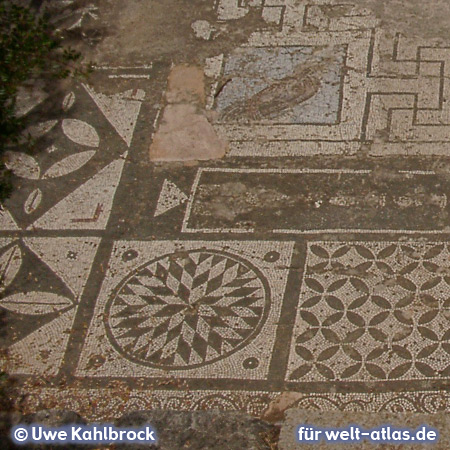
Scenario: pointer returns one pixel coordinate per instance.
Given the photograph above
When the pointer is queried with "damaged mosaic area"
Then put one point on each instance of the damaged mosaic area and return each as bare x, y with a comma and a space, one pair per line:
282, 85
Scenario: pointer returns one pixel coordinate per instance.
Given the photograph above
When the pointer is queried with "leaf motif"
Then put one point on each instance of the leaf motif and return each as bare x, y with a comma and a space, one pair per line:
311, 301
353, 336
399, 371
361, 301
332, 319
306, 336
381, 302
379, 318
362, 268
359, 285
356, 319
406, 301
351, 370
406, 284
365, 252
35, 303
80, 132
304, 353
430, 266
378, 335
300, 372
428, 316
330, 336
436, 250
388, 251
429, 301
426, 333
319, 251
37, 131
425, 369
376, 353
427, 351
430, 284
314, 285
325, 371
10, 263
68, 101
336, 285
33, 201
352, 353
309, 318
69, 164
328, 353
335, 303
376, 371
23, 165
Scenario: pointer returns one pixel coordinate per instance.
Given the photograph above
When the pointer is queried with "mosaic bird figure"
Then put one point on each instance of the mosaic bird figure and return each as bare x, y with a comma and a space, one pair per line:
280, 96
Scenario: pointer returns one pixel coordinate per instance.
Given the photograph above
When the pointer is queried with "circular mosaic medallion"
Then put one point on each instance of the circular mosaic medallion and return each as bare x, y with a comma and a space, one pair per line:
188, 309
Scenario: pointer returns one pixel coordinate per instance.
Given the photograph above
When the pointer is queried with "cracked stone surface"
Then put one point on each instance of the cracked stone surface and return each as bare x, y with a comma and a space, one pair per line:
244, 208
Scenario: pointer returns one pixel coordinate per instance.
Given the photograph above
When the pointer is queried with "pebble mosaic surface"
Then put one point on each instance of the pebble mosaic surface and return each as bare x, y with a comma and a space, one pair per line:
223, 284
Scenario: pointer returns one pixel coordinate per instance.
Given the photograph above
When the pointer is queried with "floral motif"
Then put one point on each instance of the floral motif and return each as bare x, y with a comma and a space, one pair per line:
373, 311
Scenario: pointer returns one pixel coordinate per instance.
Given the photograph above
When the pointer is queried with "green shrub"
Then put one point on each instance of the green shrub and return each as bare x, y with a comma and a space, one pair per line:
30, 49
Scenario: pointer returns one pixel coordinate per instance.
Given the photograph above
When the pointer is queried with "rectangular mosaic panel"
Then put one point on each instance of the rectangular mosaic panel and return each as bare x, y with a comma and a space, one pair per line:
373, 311
188, 309
282, 85
303, 201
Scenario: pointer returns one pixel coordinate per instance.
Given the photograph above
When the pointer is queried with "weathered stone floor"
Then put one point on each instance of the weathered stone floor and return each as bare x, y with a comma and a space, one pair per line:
245, 207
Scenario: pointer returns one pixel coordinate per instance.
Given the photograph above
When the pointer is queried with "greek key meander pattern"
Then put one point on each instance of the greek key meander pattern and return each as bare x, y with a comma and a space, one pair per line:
373, 311
393, 89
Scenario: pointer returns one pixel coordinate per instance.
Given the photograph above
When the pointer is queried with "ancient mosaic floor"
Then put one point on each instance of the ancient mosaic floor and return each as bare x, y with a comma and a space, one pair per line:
313, 258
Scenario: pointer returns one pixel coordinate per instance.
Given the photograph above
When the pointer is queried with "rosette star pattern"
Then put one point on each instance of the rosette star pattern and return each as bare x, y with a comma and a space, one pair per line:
187, 309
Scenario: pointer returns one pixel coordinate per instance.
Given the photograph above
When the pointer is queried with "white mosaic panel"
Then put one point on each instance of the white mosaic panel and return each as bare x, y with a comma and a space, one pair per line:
188, 309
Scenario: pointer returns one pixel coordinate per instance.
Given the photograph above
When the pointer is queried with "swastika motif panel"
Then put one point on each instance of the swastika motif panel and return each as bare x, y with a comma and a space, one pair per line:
393, 90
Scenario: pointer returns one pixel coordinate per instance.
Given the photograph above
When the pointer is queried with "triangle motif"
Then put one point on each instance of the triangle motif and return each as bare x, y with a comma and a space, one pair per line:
69, 258
7, 223
42, 351
169, 198
121, 110
89, 206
